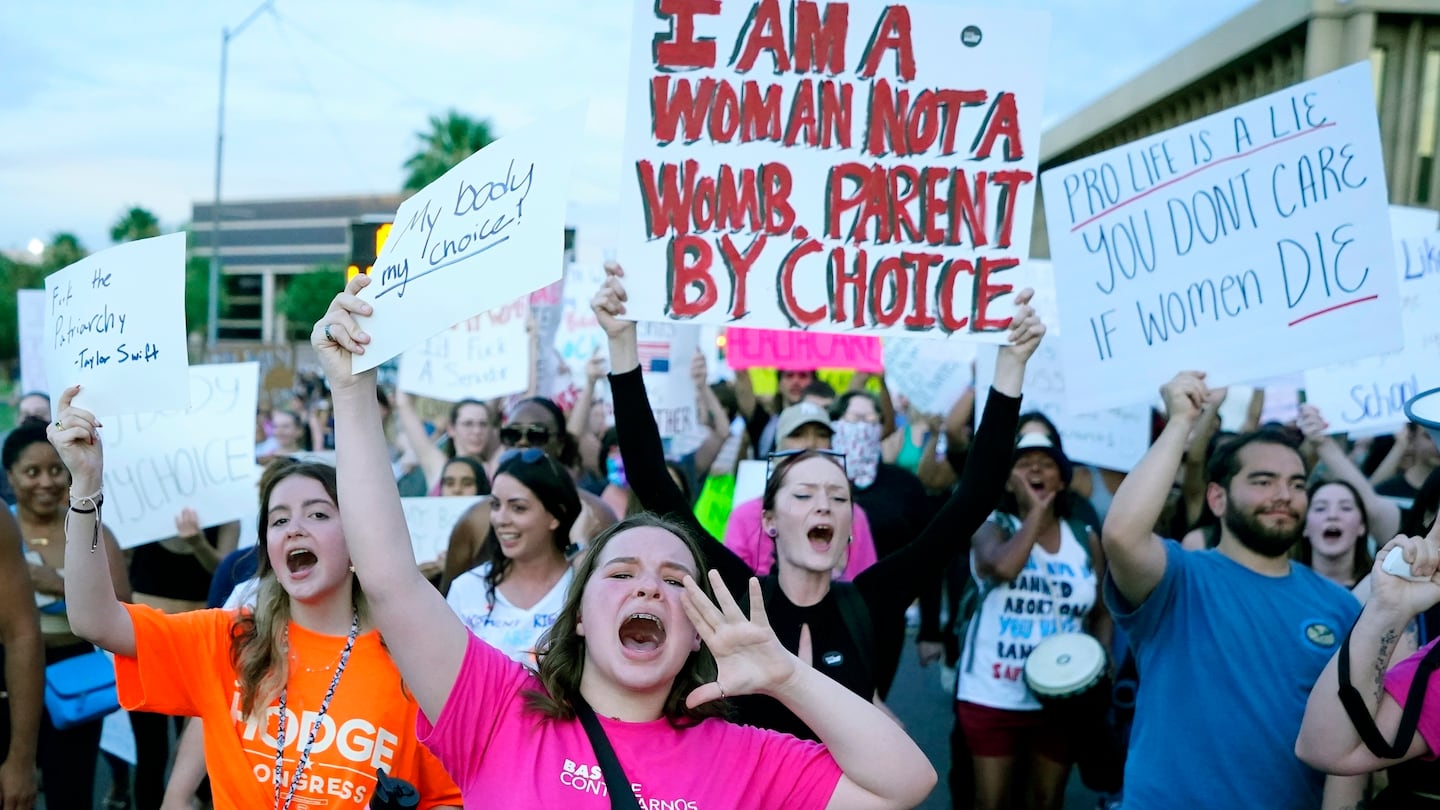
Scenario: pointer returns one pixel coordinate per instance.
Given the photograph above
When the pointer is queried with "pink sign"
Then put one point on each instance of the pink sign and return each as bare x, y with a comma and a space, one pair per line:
801, 351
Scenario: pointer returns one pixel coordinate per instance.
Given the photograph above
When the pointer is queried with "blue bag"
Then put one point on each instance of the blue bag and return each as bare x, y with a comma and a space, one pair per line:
80, 690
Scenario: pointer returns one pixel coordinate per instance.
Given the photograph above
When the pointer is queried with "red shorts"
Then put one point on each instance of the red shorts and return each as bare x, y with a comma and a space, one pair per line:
991, 732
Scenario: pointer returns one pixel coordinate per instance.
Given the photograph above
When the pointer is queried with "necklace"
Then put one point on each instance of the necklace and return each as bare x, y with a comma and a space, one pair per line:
304, 760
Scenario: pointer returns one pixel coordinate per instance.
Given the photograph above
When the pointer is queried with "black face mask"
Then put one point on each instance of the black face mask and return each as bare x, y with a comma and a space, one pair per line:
1256, 536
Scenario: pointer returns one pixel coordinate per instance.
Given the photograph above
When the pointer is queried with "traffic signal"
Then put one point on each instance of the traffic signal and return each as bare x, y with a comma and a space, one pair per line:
366, 241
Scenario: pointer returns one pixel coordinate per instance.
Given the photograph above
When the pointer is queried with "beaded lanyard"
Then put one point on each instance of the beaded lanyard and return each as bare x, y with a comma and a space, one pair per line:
304, 761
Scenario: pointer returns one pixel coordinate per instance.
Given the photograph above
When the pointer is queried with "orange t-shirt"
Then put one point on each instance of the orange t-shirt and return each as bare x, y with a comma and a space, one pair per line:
182, 666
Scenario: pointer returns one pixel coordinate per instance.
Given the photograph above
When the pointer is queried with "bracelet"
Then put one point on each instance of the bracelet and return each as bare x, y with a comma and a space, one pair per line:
95, 501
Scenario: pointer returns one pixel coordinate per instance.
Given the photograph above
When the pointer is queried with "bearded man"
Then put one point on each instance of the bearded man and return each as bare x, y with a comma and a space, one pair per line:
1228, 641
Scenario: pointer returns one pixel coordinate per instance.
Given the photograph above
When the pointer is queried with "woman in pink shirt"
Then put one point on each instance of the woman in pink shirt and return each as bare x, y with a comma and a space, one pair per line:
640, 639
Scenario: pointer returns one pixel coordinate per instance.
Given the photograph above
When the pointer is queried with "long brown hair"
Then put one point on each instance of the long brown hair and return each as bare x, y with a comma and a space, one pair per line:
562, 648
257, 649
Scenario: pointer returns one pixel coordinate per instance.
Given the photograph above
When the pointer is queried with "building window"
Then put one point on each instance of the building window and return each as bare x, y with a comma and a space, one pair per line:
1425, 137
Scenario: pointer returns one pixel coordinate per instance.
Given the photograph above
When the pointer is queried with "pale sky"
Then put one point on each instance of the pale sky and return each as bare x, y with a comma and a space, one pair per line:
106, 105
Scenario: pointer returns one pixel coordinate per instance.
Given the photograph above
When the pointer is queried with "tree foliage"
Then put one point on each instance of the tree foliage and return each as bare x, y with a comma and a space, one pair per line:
137, 223
307, 296
450, 139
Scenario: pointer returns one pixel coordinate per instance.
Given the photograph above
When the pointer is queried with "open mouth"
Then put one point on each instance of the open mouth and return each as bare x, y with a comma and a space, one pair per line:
300, 560
821, 536
642, 632
1332, 533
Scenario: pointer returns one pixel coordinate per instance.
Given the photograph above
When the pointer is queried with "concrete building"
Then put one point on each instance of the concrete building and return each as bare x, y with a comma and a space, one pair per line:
1269, 46
264, 242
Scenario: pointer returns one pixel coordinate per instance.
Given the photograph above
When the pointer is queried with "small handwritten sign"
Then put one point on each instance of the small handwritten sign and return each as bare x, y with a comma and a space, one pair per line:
483, 357
203, 458
30, 306
1250, 243
115, 323
1367, 396
431, 520
488, 231
793, 350
666, 350
930, 373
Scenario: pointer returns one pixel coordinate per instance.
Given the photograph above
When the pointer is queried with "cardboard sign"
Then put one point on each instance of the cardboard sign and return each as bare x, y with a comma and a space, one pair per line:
832, 167
30, 309
115, 324
1240, 244
485, 233
931, 374
789, 350
431, 520
203, 458
484, 357
1367, 397
1115, 438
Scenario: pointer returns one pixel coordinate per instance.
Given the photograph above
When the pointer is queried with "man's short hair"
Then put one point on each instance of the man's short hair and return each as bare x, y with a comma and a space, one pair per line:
1224, 465
818, 388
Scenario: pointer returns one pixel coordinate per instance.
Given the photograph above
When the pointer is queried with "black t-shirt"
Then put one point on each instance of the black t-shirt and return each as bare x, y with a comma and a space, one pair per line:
897, 507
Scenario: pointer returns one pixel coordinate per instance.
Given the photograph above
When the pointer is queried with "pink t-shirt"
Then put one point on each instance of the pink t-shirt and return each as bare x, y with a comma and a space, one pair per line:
1397, 683
745, 536
501, 754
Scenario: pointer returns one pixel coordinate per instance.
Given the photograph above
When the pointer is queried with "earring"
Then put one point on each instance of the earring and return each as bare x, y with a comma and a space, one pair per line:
771, 533
352, 568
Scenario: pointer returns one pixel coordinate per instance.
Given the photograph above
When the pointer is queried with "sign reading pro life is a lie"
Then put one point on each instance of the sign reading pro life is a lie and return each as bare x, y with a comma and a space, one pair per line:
1245, 244
834, 167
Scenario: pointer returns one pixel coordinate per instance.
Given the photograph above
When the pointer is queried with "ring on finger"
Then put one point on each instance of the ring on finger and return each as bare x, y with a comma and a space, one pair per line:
58, 426
327, 334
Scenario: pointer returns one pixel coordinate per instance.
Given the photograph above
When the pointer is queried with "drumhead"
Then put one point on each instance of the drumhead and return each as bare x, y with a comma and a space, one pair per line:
1063, 663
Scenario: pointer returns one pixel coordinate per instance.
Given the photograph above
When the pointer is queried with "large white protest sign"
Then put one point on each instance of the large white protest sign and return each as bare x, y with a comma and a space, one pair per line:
1113, 438
115, 324
203, 458
1242, 244
30, 309
488, 231
431, 520
666, 351
1367, 396
867, 167
483, 357
931, 374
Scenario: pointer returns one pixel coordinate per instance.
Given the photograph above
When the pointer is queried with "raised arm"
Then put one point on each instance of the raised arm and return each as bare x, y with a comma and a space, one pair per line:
1136, 556
425, 638
92, 587
24, 667
640, 445
896, 579
1192, 470
430, 458
881, 765
935, 472
1328, 740
1383, 513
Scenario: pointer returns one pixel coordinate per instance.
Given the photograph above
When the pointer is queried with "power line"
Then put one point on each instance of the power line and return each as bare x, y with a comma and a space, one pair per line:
356, 64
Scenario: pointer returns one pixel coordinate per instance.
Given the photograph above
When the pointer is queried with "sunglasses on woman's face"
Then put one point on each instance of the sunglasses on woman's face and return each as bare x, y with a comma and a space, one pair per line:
533, 435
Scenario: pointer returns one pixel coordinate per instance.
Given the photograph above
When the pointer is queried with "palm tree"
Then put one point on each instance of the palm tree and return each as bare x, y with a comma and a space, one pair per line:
64, 250
450, 140
137, 223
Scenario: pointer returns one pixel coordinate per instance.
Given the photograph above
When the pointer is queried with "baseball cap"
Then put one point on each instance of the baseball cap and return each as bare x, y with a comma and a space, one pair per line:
1041, 442
800, 414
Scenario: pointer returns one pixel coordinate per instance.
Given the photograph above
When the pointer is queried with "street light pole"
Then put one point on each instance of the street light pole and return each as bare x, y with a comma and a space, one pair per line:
212, 324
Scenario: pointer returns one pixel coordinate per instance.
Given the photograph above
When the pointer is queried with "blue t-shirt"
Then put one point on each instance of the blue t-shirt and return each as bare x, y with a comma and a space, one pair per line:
1227, 658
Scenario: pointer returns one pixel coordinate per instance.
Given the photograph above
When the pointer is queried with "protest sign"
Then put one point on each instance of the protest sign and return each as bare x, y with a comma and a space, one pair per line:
579, 335
1279, 403
749, 480
1113, 438
666, 350
483, 357
1367, 396
30, 311
431, 520
860, 166
790, 350
931, 374
203, 458
546, 307
115, 324
1240, 244
488, 231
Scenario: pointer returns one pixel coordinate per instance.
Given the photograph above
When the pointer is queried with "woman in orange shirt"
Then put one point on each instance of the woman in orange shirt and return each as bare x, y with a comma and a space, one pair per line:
301, 703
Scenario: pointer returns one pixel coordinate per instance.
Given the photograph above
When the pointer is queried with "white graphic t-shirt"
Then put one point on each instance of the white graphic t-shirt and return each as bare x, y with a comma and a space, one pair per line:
1053, 594
502, 625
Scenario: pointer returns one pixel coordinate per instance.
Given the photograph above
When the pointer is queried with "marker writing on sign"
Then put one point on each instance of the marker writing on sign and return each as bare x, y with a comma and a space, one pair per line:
122, 354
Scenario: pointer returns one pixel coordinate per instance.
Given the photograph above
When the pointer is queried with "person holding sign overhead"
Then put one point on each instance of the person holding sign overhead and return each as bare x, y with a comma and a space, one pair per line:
265, 680
639, 639
1227, 640
807, 509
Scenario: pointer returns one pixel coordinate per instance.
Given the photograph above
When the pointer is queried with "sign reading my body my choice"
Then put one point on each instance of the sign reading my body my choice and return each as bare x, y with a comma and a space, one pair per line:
115, 324
488, 231
1243, 244
834, 167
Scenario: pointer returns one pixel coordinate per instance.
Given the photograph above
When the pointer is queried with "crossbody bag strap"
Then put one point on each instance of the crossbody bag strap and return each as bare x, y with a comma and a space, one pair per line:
622, 797
1359, 713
